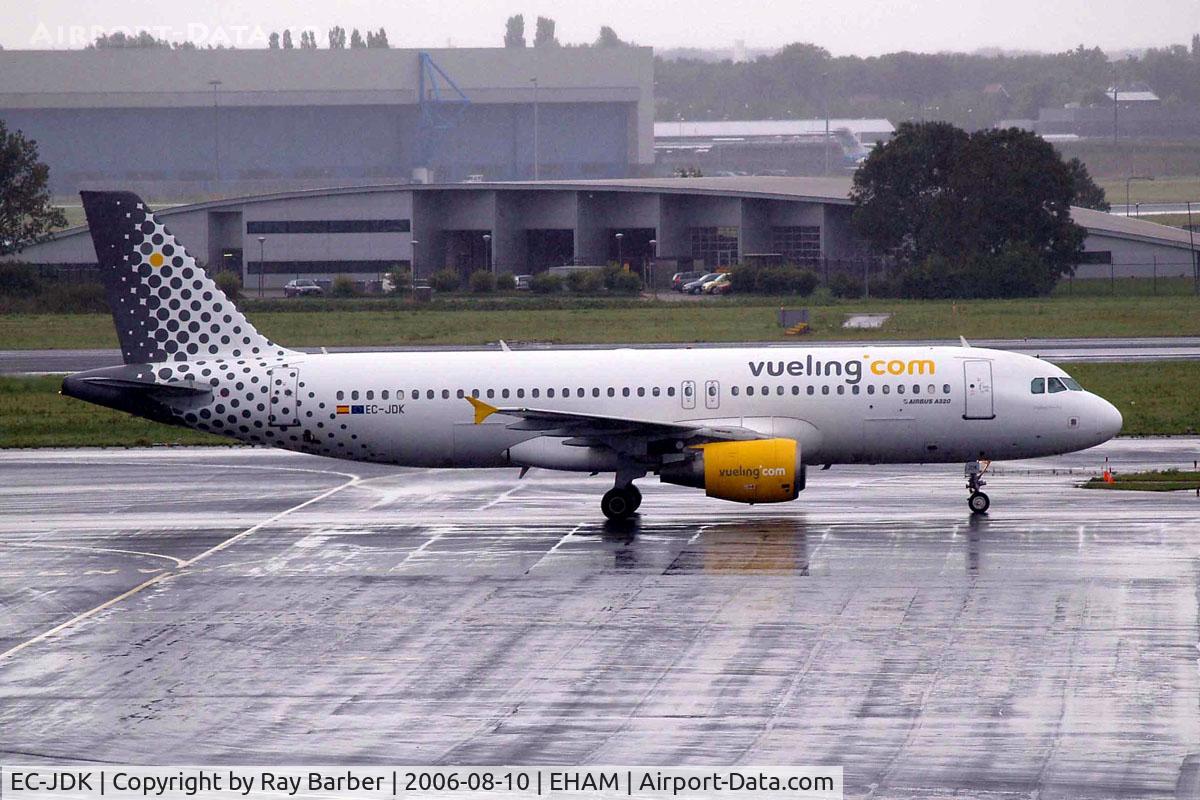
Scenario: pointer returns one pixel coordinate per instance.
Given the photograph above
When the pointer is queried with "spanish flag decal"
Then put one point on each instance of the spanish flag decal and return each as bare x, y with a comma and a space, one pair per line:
343, 409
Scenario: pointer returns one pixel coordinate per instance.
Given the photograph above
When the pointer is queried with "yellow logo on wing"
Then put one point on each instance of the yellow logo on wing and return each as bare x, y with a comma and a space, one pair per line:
482, 409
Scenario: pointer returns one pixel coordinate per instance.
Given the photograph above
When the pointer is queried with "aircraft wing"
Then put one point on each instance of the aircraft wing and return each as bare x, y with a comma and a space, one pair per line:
549, 422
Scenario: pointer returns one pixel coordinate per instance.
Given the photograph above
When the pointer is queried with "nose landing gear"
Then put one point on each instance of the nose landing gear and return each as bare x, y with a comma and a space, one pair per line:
978, 502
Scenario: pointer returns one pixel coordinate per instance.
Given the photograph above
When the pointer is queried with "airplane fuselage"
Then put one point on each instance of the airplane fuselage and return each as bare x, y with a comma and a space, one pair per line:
843, 404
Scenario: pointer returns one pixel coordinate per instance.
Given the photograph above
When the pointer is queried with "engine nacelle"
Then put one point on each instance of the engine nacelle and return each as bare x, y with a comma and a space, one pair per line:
755, 471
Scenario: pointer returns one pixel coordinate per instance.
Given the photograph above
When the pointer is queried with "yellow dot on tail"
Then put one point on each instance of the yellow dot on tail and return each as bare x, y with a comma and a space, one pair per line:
156, 259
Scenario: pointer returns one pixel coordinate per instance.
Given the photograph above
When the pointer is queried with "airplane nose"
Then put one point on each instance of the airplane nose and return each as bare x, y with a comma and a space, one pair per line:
1109, 418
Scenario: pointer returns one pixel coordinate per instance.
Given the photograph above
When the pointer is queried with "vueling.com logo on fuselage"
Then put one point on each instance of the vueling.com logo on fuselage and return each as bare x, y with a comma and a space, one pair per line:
851, 371
752, 472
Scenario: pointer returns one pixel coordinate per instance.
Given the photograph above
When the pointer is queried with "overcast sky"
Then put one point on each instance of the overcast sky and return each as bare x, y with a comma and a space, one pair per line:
864, 27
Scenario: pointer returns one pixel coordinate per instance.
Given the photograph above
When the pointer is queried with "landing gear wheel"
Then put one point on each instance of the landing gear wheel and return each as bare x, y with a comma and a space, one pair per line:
618, 504
636, 494
979, 503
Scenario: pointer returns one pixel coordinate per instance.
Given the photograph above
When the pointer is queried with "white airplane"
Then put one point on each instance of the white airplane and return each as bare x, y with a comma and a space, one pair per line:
740, 423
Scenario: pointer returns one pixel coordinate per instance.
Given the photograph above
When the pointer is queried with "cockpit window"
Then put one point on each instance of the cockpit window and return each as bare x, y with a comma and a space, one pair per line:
1055, 385
1072, 384
1038, 386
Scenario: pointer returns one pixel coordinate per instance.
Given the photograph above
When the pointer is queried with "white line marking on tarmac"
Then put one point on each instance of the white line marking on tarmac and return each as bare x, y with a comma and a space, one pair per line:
39, 546
557, 545
41, 637
500, 499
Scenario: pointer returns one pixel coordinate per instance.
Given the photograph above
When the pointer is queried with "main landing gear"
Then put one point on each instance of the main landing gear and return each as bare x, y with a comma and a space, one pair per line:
978, 502
620, 502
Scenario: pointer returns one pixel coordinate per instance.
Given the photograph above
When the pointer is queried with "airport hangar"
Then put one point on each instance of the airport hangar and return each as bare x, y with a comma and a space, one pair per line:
196, 123
525, 227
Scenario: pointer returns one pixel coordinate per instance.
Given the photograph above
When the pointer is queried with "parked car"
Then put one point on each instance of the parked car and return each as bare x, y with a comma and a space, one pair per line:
302, 287
696, 286
722, 285
522, 282
680, 278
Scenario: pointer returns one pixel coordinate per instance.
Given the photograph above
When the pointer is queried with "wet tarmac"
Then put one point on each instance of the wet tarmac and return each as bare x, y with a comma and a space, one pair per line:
175, 606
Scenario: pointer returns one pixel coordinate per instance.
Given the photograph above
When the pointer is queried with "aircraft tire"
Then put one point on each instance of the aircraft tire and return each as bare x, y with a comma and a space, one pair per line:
979, 503
617, 504
636, 494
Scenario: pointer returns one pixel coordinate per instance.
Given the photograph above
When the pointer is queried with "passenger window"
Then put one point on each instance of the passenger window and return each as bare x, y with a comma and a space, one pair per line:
354, 394
475, 393
612, 392
854, 389
504, 393
550, 393
491, 394
595, 391
384, 394
656, 391
811, 390
750, 391
766, 390
900, 389
841, 388
670, 391
341, 395
641, 391
931, 388
916, 388
825, 389
461, 394
625, 392
445, 394
370, 394
886, 389
520, 393
1054, 385
533, 393
871, 389
580, 392
779, 390
1038, 386
733, 390
429, 394
795, 389
945, 388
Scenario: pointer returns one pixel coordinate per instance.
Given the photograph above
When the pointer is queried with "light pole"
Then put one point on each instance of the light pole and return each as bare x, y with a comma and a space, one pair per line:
487, 254
536, 166
216, 86
825, 81
620, 260
413, 268
1192, 249
1129, 180
262, 264
653, 256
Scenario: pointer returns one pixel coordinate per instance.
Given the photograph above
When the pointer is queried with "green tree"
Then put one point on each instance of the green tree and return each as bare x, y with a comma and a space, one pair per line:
308, 40
287, 40
26, 214
273, 41
377, 39
514, 31
1087, 193
356, 40
955, 208
119, 39
337, 38
544, 34
608, 38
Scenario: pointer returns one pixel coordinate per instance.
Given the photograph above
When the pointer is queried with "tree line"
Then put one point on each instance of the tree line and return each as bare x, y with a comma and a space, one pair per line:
970, 90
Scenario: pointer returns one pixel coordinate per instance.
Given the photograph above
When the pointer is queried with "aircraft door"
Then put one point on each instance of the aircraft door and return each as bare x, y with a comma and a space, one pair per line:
712, 394
977, 382
687, 394
283, 409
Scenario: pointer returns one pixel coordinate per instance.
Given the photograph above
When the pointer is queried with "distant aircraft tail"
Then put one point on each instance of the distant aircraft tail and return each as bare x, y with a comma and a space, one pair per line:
166, 308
